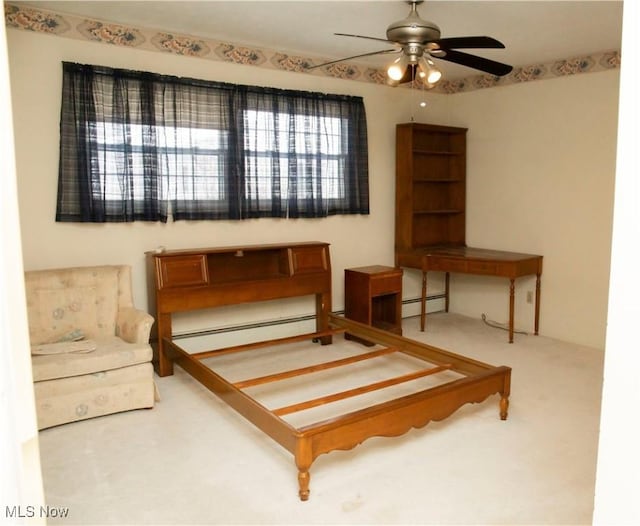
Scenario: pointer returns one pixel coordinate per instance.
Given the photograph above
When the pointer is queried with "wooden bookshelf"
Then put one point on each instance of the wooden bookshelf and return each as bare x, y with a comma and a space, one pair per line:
430, 185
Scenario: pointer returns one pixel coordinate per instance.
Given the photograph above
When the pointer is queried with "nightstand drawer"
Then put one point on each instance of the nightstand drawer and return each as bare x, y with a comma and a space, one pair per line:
386, 284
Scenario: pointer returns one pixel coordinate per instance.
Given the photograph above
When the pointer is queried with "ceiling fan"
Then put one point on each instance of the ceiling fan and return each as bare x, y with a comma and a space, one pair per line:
418, 41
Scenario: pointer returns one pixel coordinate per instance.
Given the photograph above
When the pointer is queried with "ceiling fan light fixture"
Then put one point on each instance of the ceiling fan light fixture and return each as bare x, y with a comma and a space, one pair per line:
397, 68
434, 76
420, 40
428, 72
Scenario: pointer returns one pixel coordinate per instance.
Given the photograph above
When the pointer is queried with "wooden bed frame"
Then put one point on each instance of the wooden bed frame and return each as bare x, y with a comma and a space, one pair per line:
195, 279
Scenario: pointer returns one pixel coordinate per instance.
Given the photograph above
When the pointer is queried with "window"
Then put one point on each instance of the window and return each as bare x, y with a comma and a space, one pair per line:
316, 173
194, 156
141, 146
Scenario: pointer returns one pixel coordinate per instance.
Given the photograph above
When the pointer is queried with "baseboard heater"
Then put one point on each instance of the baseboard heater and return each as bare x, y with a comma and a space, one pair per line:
280, 321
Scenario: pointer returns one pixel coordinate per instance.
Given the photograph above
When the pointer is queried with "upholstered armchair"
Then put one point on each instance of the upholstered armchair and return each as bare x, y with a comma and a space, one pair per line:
90, 347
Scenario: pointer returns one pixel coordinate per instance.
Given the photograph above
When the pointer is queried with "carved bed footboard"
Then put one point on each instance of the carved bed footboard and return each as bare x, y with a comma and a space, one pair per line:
476, 381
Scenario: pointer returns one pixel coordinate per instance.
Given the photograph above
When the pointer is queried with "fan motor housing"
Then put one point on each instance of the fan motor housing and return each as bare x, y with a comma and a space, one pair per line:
413, 29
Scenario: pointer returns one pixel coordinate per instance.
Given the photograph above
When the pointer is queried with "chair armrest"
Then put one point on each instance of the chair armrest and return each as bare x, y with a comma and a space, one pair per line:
134, 325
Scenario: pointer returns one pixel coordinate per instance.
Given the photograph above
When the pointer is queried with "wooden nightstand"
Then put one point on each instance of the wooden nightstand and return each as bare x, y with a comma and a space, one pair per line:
373, 295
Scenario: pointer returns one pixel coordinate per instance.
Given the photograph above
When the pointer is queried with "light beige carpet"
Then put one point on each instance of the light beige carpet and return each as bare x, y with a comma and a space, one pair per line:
193, 460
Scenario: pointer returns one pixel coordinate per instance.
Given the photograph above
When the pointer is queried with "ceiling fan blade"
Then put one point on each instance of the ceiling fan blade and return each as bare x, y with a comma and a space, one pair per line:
472, 61
362, 36
383, 52
469, 42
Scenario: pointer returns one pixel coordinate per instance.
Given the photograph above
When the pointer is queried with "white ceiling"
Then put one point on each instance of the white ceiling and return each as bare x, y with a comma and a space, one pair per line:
533, 32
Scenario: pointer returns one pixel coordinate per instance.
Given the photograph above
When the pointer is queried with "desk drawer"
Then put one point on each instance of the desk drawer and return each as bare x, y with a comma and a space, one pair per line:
388, 284
448, 265
482, 267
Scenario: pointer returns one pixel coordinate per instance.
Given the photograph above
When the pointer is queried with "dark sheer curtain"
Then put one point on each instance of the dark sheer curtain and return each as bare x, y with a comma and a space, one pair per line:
142, 146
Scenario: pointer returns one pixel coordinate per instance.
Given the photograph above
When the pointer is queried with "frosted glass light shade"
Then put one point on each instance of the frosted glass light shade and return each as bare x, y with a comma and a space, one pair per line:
397, 68
429, 73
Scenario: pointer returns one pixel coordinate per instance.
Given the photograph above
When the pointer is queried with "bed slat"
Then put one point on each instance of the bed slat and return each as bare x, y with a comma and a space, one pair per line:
250, 382
301, 406
266, 343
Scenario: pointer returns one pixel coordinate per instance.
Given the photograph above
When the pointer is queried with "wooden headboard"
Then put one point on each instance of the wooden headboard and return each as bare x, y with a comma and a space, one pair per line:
192, 279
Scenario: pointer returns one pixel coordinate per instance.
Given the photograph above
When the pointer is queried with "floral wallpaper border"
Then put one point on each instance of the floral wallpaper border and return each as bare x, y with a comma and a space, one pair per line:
69, 26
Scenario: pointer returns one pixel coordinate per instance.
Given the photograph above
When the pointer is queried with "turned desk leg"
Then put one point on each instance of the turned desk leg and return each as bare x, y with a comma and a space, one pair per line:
512, 293
537, 315
423, 306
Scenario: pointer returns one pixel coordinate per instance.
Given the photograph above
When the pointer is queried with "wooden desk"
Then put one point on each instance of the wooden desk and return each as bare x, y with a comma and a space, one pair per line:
467, 260
187, 280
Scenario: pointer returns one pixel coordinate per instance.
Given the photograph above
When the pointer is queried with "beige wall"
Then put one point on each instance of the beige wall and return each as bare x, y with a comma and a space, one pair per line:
545, 147
541, 169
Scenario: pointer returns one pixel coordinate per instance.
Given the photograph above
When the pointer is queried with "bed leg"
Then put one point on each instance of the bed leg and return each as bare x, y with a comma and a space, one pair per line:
303, 484
504, 407
303, 462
